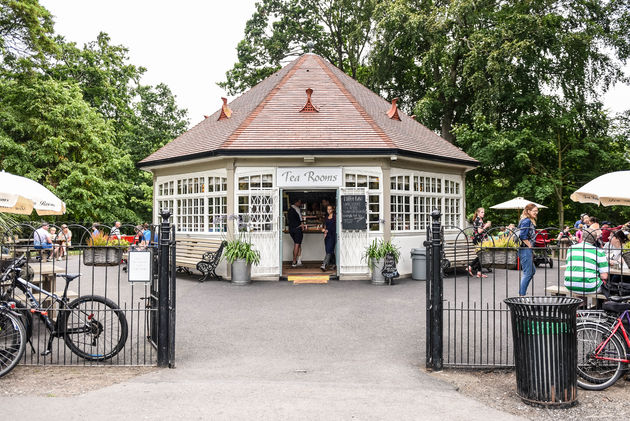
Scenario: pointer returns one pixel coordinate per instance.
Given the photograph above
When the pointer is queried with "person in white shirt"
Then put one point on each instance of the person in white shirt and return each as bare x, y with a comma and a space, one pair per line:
115, 232
42, 239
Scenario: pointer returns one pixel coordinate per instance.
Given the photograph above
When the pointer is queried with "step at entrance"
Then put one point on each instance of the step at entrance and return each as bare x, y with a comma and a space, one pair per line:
308, 279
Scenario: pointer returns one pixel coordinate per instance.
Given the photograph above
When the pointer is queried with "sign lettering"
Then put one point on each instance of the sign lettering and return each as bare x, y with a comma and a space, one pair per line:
309, 177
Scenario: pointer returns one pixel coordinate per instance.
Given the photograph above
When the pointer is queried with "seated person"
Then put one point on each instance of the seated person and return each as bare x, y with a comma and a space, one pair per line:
42, 240
587, 267
565, 234
65, 240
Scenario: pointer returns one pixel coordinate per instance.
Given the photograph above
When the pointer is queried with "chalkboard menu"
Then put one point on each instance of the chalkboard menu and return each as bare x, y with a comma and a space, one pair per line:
389, 267
353, 212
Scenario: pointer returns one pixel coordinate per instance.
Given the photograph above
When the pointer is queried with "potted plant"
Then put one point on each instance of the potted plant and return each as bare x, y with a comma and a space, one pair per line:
241, 255
375, 254
501, 251
103, 250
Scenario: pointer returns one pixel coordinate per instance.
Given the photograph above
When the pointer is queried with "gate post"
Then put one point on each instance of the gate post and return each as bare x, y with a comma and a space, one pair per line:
163, 290
434, 297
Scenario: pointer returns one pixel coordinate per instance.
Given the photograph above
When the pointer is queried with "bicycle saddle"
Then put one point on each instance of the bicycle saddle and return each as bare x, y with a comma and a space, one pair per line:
619, 299
68, 277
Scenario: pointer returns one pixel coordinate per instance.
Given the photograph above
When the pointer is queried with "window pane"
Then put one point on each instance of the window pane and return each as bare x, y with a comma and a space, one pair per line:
255, 182
374, 183
351, 180
243, 183
362, 181
267, 181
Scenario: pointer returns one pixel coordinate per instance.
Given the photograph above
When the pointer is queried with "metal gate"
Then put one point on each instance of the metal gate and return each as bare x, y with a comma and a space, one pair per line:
468, 324
145, 309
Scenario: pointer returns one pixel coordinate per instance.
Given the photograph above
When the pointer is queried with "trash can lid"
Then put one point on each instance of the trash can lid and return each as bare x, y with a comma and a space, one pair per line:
547, 300
418, 251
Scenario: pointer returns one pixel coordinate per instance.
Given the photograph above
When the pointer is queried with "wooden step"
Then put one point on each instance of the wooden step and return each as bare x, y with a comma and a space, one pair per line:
309, 279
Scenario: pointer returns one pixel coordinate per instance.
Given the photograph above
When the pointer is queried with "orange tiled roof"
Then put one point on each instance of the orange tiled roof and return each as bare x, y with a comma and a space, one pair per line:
350, 119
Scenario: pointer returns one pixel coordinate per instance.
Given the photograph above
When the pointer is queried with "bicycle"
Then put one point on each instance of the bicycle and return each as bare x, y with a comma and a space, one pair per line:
603, 344
92, 326
12, 338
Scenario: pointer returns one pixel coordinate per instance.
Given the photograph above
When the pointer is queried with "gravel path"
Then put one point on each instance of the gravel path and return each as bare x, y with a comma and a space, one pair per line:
497, 389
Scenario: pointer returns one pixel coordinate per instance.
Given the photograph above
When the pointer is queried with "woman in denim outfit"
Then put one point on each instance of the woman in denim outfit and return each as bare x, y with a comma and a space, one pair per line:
527, 232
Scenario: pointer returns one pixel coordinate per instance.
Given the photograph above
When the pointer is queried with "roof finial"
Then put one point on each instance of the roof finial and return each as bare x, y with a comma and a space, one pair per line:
309, 46
393, 111
226, 112
309, 107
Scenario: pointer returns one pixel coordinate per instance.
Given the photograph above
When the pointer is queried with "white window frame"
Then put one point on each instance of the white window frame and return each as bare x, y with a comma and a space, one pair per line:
261, 222
373, 217
426, 191
200, 221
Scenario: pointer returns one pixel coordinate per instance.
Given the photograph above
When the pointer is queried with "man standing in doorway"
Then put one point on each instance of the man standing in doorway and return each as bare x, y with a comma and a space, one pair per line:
296, 228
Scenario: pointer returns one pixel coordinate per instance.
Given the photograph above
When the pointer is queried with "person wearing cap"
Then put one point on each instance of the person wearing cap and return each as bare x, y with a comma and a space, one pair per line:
583, 220
587, 265
42, 239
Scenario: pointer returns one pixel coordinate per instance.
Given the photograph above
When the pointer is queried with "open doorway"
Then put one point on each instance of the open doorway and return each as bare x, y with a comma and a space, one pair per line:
313, 250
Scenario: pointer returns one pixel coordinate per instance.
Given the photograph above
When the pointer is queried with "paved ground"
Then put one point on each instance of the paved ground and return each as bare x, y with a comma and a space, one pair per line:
272, 350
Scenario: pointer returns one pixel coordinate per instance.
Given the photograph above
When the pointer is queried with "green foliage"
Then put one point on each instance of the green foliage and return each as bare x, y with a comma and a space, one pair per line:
26, 30
49, 134
501, 242
378, 249
240, 248
515, 84
77, 119
339, 30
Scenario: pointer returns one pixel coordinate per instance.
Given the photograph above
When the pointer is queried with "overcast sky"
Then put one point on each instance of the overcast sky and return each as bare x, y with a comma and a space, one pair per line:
188, 45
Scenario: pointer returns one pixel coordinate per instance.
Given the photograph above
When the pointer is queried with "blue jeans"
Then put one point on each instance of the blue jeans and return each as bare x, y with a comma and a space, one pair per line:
526, 256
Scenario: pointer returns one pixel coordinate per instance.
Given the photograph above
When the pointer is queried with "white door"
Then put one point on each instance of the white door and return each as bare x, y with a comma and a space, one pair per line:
352, 243
263, 229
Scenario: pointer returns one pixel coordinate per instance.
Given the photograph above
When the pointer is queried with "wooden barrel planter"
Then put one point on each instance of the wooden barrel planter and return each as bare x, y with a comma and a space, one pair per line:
499, 257
102, 256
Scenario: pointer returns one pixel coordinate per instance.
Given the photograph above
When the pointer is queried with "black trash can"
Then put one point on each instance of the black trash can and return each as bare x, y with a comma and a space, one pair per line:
545, 349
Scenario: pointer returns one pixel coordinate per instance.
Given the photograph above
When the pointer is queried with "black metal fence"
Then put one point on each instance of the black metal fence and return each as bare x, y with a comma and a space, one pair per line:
468, 325
103, 316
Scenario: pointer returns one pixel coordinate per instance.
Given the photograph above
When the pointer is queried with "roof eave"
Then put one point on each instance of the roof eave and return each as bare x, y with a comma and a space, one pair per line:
321, 152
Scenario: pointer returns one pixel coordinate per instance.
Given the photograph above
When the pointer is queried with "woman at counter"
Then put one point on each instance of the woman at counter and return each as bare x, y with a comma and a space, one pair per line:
330, 237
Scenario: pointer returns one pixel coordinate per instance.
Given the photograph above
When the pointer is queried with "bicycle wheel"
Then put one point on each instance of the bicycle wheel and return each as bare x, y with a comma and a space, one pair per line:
596, 373
96, 328
12, 341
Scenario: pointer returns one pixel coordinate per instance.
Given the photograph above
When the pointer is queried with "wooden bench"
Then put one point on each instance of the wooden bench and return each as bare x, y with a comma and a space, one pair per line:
202, 254
593, 300
458, 254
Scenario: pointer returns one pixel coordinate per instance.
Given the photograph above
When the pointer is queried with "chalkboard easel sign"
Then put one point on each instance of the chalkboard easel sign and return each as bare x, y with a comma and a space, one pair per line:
353, 212
389, 268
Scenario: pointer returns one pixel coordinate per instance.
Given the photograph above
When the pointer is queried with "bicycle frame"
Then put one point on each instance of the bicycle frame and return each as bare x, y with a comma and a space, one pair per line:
616, 326
57, 327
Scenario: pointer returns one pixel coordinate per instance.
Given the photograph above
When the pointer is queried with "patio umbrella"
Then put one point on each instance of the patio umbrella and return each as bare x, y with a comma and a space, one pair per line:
516, 203
21, 195
608, 189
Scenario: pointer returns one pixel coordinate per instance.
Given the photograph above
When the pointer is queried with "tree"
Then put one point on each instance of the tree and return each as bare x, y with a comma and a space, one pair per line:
26, 31
339, 30
516, 84
49, 134
144, 118
450, 60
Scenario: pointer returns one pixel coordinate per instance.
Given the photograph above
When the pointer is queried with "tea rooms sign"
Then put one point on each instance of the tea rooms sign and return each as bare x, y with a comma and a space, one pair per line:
309, 177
